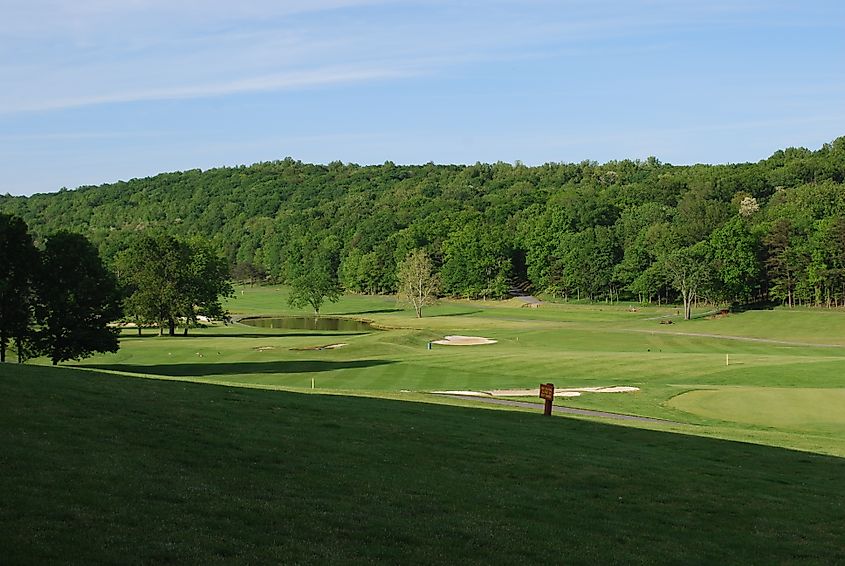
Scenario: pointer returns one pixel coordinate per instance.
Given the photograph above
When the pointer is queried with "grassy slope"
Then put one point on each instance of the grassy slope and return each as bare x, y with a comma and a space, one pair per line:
105, 468
571, 345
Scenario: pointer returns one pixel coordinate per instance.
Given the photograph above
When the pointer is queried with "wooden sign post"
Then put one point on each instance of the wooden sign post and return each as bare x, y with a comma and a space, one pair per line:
547, 392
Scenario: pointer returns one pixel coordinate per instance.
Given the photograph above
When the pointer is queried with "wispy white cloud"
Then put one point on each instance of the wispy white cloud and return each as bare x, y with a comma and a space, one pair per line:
277, 82
79, 19
77, 136
62, 54
463, 80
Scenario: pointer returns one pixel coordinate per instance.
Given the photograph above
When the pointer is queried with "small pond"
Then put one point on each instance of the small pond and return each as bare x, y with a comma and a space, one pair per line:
310, 323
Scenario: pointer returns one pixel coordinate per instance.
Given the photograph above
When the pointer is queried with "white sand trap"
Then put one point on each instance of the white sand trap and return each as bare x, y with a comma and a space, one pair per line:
464, 341
467, 393
264, 348
616, 389
562, 392
567, 392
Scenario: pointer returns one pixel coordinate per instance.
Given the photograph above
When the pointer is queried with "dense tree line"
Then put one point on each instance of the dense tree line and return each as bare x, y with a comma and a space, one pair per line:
57, 300
772, 230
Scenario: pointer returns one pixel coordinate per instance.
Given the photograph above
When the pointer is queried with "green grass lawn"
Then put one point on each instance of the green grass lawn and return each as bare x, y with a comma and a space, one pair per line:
103, 468
571, 345
248, 447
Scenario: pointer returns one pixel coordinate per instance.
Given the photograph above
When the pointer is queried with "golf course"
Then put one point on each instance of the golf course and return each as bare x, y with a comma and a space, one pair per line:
768, 376
248, 443
355, 282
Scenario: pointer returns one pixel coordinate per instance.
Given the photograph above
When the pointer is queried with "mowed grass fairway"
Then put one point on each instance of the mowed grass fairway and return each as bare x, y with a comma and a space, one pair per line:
101, 468
786, 354
229, 455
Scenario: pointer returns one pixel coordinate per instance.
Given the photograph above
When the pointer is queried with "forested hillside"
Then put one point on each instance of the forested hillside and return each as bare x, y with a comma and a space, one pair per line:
773, 230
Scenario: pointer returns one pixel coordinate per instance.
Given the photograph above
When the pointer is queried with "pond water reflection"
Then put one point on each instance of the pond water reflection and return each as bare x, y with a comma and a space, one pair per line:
310, 323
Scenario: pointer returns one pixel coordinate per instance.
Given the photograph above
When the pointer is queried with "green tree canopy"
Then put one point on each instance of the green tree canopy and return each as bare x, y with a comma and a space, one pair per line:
528, 223
477, 262
418, 284
169, 280
18, 263
77, 299
735, 253
690, 272
313, 272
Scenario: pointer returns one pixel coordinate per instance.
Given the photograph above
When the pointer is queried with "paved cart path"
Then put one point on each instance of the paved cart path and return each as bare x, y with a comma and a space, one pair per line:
558, 409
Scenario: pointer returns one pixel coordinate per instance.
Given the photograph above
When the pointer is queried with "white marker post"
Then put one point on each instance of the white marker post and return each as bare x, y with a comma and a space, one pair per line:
312, 383
727, 359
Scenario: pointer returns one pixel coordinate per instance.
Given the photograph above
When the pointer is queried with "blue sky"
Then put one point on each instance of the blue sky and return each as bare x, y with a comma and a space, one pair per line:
93, 91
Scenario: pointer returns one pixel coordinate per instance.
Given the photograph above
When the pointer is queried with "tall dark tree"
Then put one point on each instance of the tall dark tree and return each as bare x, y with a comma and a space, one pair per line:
735, 252
313, 273
783, 260
152, 269
206, 281
18, 260
477, 262
247, 272
77, 299
589, 257
690, 272
170, 281
826, 270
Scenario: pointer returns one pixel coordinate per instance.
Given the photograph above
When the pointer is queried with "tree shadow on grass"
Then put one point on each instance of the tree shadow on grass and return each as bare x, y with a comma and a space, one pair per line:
236, 368
374, 311
758, 306
246, 335
461, 313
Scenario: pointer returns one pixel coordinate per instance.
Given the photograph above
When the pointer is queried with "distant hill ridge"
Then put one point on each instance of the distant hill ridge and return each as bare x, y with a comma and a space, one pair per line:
377, 213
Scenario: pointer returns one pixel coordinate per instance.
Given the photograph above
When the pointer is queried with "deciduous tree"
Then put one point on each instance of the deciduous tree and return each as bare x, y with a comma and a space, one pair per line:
783, 260
418, 284
18, 261
477, 262
689, 272
736, 260
169, 280
77, 299
313, 273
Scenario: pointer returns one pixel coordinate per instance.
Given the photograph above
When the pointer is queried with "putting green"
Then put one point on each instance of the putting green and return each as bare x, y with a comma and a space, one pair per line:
797, 409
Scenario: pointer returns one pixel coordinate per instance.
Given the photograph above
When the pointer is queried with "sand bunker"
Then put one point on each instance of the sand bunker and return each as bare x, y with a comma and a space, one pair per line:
461, 392
559, 392
326, 347
264, 348
464, 341
562, 392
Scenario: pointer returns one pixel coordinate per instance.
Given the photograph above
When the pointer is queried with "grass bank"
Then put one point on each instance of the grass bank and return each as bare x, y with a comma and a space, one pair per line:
106, 468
